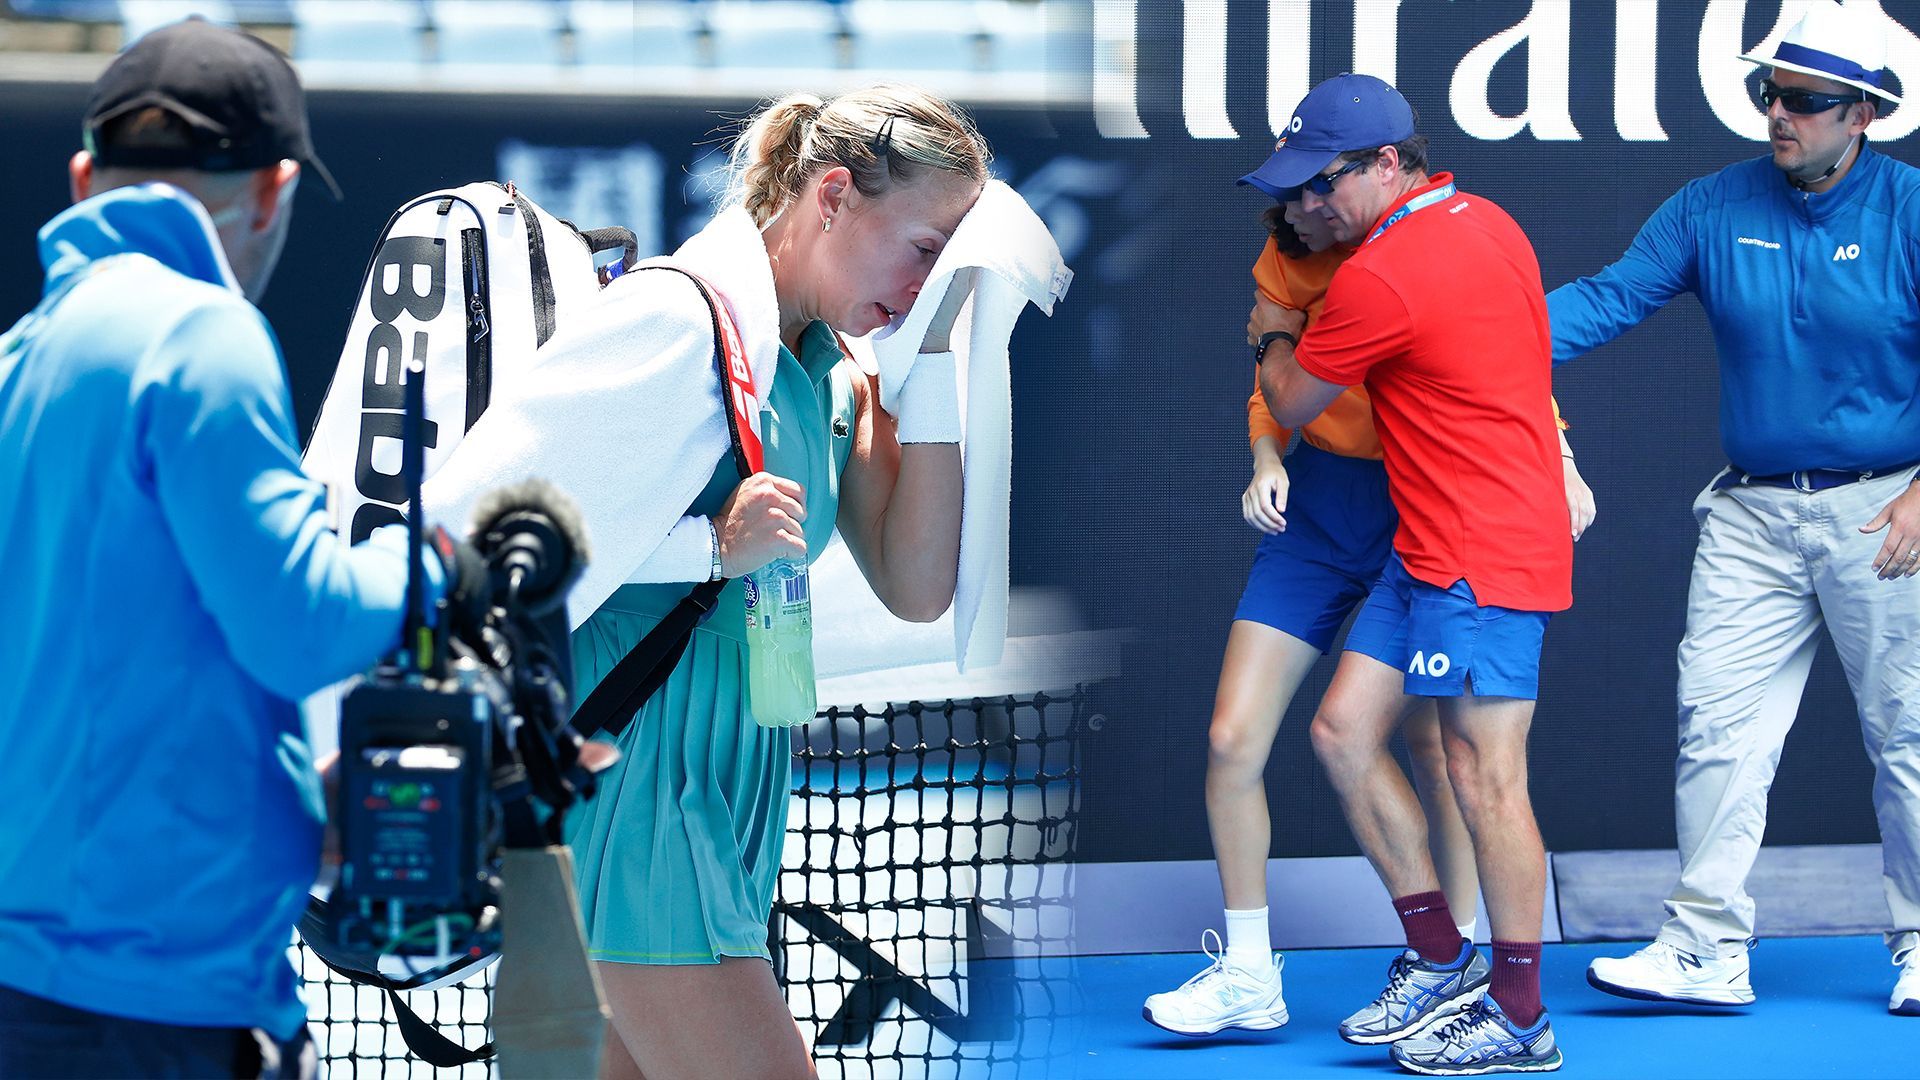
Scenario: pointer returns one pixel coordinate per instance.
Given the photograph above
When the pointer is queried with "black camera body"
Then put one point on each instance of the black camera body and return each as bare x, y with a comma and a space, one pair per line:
420, 830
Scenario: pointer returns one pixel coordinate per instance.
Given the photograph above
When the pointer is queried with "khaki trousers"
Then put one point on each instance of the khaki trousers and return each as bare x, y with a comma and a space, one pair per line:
1773, 566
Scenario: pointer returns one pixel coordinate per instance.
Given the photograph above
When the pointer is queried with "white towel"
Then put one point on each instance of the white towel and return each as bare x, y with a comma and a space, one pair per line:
1017, 263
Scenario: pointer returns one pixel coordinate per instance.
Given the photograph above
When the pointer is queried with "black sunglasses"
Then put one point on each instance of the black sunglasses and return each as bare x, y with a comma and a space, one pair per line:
1803, 102
1323, 185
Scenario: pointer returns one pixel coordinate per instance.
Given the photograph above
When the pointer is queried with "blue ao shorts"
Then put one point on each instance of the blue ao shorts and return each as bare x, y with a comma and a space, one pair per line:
1448, 644
1340, 524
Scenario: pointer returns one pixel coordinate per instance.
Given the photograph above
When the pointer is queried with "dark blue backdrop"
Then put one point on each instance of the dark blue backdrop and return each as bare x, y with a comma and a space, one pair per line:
1129, 405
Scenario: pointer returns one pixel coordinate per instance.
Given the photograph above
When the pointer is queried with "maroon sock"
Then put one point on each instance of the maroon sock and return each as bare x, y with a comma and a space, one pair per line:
1429, 926
1516, 981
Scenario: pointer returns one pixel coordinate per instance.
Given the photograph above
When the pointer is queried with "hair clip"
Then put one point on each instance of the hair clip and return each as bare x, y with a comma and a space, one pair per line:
882, 143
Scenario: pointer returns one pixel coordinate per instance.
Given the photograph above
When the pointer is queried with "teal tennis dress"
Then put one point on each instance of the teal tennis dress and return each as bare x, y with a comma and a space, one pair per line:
677, 854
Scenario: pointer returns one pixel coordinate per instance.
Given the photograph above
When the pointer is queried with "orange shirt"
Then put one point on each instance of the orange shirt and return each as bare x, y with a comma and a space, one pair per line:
1346, 427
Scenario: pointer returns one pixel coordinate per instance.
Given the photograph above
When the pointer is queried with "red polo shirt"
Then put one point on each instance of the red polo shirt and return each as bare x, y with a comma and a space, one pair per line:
1442, 318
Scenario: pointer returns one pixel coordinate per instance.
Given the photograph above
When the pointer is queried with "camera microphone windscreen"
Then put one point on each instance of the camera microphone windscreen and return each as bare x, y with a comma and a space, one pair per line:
532, 533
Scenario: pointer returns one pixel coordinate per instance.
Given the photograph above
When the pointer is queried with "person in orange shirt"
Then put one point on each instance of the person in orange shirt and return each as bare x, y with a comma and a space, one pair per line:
1327, 526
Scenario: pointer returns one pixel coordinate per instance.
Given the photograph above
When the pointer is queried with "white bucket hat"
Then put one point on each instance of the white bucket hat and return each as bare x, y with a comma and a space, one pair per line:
1832, 42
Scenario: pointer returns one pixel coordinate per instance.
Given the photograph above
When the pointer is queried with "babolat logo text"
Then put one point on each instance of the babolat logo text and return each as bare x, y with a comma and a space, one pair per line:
1432, 666
409, 278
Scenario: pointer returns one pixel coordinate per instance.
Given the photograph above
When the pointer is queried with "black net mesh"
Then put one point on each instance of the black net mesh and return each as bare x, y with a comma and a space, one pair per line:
921, 918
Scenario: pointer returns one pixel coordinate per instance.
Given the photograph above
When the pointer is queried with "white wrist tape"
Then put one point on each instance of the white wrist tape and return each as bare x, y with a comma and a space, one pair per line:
930, 401
686, 554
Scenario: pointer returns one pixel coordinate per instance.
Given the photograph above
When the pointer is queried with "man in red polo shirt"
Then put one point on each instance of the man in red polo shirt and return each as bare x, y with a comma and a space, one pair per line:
1440, 314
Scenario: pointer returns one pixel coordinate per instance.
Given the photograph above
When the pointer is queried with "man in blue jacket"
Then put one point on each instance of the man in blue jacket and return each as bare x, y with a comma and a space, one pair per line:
173, 589
1807, 264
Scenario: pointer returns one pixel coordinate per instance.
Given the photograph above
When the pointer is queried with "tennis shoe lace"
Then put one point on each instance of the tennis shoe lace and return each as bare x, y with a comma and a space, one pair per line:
1399, 974
1669, 953
1209, 942
1455, 1031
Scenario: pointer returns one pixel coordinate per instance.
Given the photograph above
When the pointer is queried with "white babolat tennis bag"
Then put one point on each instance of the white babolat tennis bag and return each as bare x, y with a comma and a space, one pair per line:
471, 281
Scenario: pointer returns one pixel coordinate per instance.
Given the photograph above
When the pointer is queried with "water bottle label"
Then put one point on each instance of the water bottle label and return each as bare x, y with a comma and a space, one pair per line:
752, 588
796, 589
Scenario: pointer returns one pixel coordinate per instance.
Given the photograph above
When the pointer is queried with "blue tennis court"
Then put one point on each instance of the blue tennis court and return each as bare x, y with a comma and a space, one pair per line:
1821, 1012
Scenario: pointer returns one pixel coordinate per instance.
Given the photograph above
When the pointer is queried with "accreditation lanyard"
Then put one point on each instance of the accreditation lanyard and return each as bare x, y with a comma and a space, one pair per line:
1418, 202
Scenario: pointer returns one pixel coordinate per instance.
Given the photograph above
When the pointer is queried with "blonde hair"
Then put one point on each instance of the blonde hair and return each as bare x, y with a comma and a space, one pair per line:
885, 135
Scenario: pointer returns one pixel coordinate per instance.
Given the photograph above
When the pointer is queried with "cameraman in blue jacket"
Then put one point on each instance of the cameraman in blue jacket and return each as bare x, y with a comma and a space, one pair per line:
1807, 264
174, 588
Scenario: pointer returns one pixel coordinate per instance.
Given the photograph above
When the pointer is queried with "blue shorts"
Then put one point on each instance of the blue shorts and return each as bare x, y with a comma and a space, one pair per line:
1443, 637
1340, 526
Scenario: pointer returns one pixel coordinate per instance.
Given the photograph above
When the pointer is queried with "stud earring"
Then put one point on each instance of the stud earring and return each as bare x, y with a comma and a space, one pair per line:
826, 225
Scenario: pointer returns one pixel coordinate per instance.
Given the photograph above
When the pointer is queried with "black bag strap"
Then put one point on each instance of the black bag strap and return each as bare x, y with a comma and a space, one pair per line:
423, 1040
617, 699
539, 272
427, 1044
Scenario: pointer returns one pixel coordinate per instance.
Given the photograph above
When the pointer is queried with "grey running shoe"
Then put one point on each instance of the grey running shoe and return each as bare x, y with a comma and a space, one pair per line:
1419, 995
1480, 1040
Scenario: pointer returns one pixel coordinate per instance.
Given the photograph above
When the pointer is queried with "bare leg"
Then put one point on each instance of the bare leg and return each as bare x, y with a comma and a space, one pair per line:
1447, 838
1486, 740
1258, 676
1360, 712
615, 1062
694, 1021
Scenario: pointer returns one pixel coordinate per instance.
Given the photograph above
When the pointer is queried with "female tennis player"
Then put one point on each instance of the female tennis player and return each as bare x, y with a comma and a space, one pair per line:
1327, 527
842, 208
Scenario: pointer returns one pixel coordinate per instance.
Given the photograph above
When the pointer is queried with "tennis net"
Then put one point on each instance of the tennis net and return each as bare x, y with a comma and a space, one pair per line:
922, 909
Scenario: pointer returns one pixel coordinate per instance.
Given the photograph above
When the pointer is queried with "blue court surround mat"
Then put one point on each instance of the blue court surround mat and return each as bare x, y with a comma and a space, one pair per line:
1822, 1012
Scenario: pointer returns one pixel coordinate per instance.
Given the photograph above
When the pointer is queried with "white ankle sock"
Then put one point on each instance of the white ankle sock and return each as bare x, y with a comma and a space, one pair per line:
1248, 946
1470, 928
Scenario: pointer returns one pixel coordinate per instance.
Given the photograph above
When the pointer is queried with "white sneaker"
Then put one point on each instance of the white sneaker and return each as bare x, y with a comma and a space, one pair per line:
1220, 997
1906, 992
1662, 972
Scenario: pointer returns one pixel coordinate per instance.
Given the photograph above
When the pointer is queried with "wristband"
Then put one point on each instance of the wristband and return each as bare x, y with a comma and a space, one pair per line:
929, 401
713, 533
1268, 338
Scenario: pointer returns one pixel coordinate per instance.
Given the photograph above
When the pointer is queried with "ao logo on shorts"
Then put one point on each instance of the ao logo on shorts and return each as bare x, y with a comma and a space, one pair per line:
1433, 666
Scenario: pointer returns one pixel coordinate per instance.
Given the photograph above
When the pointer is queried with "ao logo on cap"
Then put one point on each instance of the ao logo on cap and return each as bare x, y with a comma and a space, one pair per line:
1291, 128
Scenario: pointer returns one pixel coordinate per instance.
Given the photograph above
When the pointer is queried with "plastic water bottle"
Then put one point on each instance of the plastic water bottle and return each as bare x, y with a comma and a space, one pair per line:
780, 688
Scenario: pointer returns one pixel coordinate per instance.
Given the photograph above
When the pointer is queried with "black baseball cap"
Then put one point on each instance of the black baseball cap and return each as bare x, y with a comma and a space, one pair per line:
238, 96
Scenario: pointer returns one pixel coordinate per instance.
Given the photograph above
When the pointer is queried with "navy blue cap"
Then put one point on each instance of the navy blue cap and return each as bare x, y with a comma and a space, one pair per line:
1347, 112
